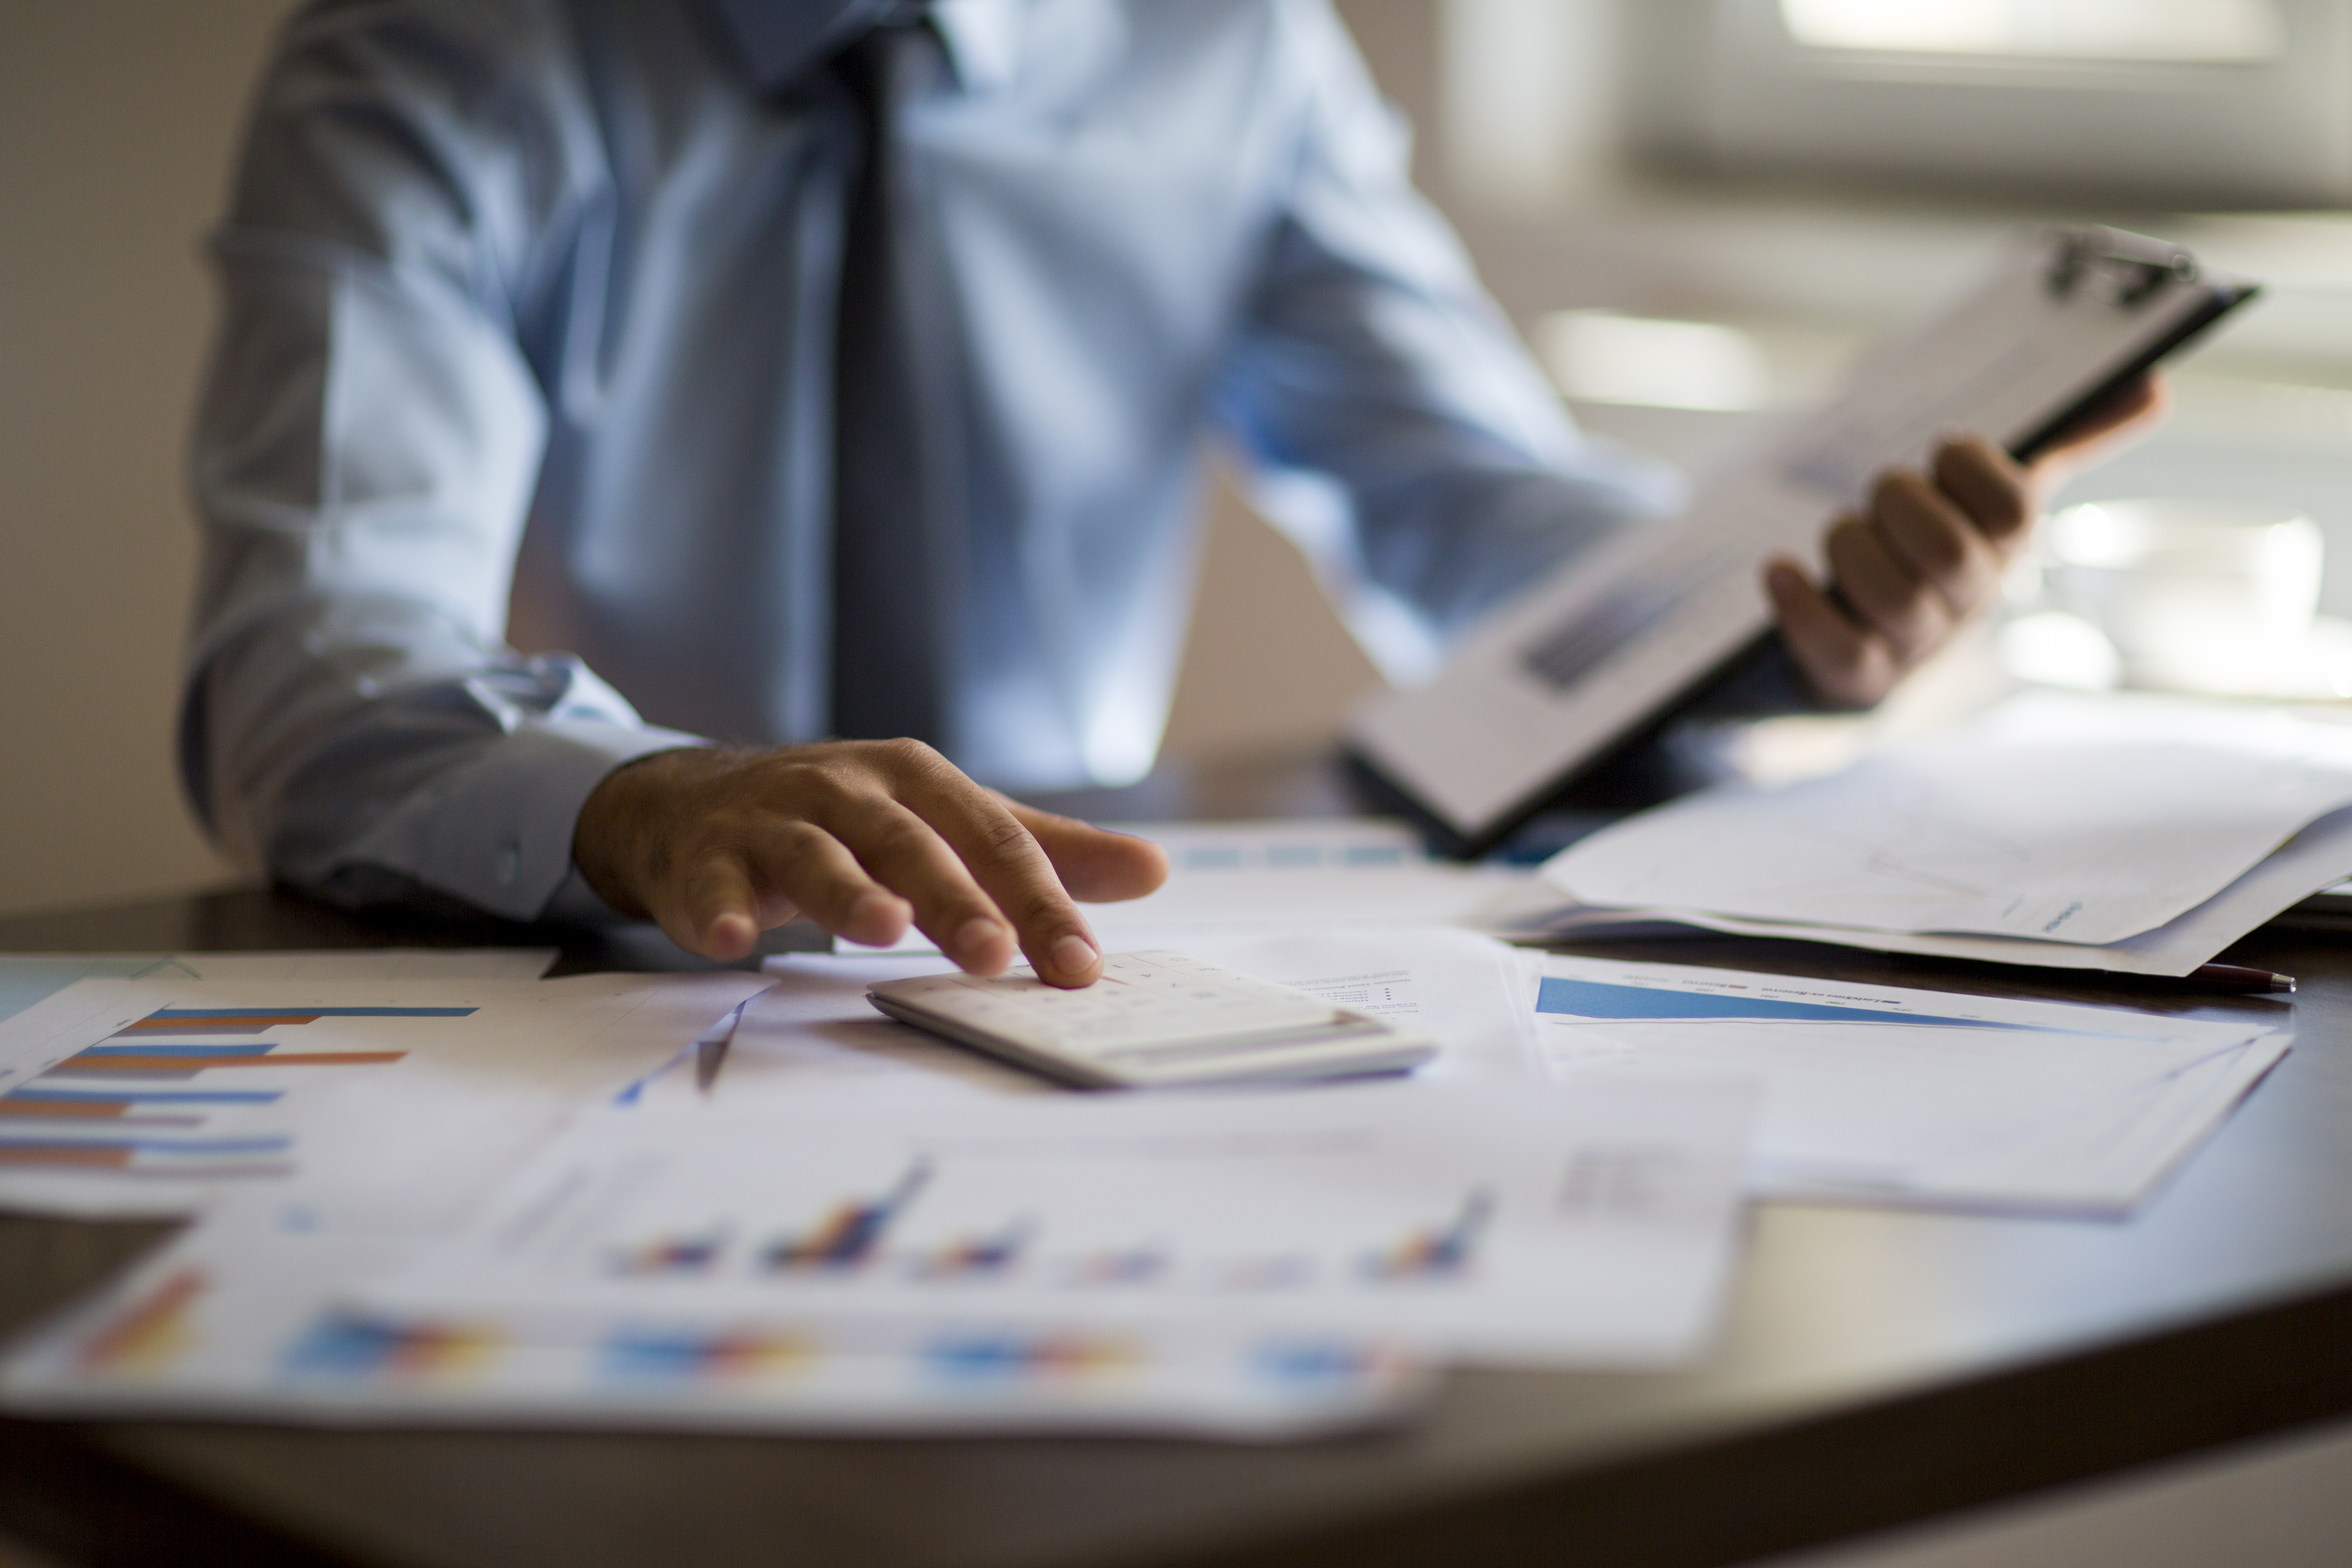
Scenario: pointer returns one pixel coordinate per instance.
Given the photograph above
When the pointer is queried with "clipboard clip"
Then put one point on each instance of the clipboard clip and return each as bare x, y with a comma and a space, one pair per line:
2139, 266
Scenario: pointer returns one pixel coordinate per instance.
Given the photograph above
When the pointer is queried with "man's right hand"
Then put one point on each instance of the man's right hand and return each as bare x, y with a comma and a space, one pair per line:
862, 837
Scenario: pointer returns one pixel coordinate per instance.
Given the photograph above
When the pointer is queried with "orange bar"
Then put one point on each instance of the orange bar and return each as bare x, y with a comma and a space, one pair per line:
113, 1157
77, 1108
254, 1021
159, 1323
81, 1065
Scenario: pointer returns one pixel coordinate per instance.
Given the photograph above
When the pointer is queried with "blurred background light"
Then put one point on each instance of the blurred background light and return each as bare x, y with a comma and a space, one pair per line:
1600, 356
2215, 30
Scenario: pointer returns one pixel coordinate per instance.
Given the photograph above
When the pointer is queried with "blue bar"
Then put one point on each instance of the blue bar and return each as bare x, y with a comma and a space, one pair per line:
155, 1097
314, 1013
1595, 999
223, 1050
156, 1145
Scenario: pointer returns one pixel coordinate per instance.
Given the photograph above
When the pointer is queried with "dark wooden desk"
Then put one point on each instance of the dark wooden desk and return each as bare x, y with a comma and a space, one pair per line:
1878, 1368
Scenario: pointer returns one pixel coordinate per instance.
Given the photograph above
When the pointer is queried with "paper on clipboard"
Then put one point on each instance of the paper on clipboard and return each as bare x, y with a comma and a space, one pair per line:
1613, 640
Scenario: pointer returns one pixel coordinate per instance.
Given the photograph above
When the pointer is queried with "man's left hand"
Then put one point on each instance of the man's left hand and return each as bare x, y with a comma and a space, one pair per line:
1930, 552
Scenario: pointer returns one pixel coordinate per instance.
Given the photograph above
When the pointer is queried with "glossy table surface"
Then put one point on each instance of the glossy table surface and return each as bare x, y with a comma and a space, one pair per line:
1875, 1368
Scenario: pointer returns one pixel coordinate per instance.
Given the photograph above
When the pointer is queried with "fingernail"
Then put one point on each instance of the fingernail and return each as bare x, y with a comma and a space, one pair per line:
1073, 953
976, 933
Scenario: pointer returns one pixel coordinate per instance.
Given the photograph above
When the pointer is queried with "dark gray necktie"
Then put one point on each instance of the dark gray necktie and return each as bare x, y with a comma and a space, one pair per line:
899, 475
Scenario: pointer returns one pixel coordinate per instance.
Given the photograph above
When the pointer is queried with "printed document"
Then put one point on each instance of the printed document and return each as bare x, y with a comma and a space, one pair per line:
1882, 1094
237, 1318
1522, 1223
394, 1097
2318, 857
27, 977
2049, 818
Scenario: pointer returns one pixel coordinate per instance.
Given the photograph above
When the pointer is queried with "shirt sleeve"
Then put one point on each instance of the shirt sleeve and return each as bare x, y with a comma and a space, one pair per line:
1371, 356
366, 448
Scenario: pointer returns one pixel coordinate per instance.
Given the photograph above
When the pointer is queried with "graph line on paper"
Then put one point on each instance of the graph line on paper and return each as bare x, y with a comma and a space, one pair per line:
350, 1350
1021, 1356
979, 1256
1923, 854
671, 1355
1439, 1252
852, 1235
153, 1331
697, 1253
1117, 1265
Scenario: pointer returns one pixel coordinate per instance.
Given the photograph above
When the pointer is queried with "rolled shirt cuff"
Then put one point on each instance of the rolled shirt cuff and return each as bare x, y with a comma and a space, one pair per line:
505, 844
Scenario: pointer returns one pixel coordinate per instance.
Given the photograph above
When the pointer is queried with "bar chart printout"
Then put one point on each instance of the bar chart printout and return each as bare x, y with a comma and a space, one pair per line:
1439, 1253
238, 1317
143, 1100
850, 1236
402, 1099
1405, 1213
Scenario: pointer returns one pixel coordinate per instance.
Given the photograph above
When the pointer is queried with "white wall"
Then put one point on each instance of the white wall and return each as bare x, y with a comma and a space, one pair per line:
115, 117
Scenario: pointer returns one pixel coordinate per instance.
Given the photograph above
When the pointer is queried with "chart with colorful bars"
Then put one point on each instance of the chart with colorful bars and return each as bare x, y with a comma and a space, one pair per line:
1428, 1214
246, 1319
155, 1095
143, 1100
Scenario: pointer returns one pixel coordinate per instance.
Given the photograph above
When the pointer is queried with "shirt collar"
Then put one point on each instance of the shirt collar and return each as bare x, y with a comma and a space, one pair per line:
778, 39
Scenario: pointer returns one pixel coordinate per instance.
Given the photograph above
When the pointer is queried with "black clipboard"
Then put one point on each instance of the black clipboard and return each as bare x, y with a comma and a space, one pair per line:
2160, 287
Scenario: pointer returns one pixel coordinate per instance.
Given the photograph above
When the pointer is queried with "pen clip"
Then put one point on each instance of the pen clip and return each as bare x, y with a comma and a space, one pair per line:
2139, 266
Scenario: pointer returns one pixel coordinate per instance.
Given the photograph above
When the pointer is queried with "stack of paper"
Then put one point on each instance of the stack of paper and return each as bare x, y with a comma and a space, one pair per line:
331, 1130
688, 1200
1873, 1094
2142, 836
345, 1125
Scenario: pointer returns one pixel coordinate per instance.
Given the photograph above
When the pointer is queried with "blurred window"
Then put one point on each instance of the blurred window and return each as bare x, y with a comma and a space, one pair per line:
2238, 103
2239, 30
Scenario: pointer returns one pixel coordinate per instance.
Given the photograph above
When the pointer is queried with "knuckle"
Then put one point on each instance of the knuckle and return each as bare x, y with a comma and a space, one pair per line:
1039, 905
895, 834
803, 780
907, 757
798, 842
1005, 837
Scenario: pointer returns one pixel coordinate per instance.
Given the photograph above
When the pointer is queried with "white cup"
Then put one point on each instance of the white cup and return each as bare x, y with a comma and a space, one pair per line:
2196, 595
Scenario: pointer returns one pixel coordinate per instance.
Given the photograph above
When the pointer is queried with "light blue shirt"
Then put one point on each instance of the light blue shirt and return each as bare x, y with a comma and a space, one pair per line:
527, 310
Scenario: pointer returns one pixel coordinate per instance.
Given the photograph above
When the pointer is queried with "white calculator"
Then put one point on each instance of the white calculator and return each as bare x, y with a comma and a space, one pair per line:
1154, 1019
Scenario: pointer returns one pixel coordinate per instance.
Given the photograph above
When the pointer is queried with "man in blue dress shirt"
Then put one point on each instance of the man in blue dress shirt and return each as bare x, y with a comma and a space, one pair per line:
837, 368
